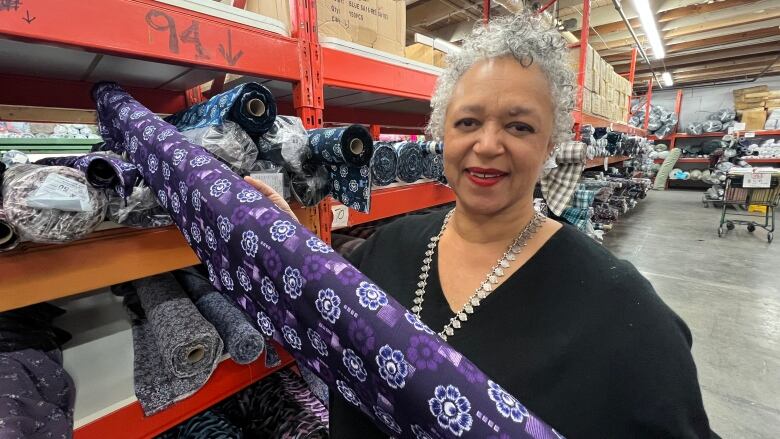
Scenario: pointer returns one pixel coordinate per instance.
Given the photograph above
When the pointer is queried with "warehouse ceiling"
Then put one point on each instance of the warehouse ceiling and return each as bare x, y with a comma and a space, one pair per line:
706, 41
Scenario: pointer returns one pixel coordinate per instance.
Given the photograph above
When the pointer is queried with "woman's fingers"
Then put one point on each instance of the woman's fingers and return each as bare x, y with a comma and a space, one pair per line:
271, 194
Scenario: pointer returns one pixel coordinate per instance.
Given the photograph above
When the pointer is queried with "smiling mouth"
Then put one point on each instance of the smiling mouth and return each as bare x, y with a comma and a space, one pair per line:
484, 177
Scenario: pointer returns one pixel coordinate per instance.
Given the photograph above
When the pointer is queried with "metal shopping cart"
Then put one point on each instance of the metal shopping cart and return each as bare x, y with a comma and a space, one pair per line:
757, 192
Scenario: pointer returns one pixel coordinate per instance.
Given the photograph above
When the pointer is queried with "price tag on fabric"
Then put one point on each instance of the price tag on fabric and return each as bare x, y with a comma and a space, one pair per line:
748, 135
61, 193
739, 126
757, 179
273, 179
340, 216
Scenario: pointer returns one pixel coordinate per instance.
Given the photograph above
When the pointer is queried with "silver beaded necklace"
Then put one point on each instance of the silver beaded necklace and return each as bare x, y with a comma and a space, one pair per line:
515, 247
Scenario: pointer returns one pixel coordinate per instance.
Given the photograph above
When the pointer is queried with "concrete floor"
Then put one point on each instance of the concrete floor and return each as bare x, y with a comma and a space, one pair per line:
728, 292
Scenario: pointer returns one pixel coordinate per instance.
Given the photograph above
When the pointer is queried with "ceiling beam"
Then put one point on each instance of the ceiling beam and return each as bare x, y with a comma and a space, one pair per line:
425, 13
623, 58
710, 25
736, 69
736, 54
723, 39
709, 81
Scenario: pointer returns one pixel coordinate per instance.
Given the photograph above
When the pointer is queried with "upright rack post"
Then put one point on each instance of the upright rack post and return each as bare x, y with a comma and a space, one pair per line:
649, 96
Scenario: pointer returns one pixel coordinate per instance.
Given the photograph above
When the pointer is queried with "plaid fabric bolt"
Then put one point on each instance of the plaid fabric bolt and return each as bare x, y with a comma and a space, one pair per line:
559, 184
583, 198
574, 215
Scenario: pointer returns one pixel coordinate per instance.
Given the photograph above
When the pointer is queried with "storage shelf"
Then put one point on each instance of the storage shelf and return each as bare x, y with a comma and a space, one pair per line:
392, 201
598, 121
599, 161
37, 273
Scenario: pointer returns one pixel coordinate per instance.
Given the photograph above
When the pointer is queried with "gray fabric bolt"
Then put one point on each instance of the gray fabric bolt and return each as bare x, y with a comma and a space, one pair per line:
243, 342
175, 348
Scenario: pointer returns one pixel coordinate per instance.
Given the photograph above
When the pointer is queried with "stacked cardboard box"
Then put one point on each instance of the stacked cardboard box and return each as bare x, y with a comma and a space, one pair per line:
606, 92
380, 24
425, 53
752, 104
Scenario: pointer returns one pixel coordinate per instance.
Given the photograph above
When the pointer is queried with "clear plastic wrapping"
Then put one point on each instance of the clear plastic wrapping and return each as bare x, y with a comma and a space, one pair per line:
694, 128
285, 144
712, 126
140, 209
51, 203
723, 115
228, 142
310, 186
13, 157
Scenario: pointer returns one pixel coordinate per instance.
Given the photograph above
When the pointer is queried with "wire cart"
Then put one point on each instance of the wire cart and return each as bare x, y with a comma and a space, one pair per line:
751, 188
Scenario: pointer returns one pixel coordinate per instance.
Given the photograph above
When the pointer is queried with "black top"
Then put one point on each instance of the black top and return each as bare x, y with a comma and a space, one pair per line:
577, 335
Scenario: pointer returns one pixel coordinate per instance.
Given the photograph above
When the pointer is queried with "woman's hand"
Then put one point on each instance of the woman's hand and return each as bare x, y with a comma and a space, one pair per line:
272, 195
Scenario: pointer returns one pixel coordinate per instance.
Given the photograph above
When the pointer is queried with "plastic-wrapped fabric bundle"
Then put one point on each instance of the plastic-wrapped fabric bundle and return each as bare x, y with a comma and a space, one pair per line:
103, 170
140, 209
9, 238
695, 128
286, 144
250, 105
228, 142
676, 174
696, 174
311, 185
723, 115
13, 157
670, 118
51, 204
383, 164
296, 287
712, 126
664, 130
410, 161
175, 348
346, 152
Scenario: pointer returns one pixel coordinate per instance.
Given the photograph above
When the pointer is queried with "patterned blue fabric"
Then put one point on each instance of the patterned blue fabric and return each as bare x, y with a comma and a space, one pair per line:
103, 171
383, 164
583, 198
303, 294
433, 166
230, 105
347, 153
410, 161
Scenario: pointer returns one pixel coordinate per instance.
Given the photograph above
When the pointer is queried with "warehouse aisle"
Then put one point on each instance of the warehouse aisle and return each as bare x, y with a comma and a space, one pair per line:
728, 292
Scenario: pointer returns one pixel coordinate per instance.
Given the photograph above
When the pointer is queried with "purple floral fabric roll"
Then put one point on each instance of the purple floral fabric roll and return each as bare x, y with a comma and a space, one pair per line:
331, 318
103, 170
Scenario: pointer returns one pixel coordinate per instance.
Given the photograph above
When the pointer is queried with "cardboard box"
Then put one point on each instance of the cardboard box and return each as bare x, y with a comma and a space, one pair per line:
772, 103
439, 58
420, 52
277, 9
595, 104
749, 105
756, 89
380, 24
774, 94
762, 95
586, 101
754, 119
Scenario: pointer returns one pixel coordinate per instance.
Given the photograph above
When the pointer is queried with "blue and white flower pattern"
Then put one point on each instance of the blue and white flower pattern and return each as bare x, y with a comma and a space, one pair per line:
328, 305
317, 343
265, 325
200, 161
387, 419
148, 132
317, 245
417, 323
249, 242
227, 281
212, 275
419, 433
506, 404
183, 191
370, 296
293, 282
175, 205
451, 409
219, 187
353, 185
393, 368
195, 199
195, 232
354, 365
292, 337
281, 230
211, 241
268, 290
248, 196
347, 393
178, 156
225, 227
166, 170
243, 279
162, 198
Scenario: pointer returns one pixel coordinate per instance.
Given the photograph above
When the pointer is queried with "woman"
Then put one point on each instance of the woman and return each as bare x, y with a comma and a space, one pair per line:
577, 335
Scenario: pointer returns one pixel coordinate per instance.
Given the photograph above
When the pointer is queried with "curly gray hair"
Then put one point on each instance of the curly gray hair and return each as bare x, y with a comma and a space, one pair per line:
528, 39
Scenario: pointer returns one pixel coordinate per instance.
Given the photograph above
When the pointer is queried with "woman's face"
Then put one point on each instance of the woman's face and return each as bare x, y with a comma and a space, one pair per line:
497, 135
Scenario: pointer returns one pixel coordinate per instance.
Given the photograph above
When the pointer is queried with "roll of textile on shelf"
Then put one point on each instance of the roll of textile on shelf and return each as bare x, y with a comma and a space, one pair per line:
228, 142
433, 165
242, 341
207, 425
295, 287
51, 203
666, 169
250, 105
383, 164
559, 183
286, 144
176, 349
103, 170
410, 161
140, 209
9, 239
311, 185
583, 198
346, 152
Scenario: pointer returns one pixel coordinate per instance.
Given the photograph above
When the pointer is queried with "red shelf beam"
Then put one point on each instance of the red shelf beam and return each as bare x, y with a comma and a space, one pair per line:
347, 70
129, 422
599, 161
367, 116
389, 202
156, 31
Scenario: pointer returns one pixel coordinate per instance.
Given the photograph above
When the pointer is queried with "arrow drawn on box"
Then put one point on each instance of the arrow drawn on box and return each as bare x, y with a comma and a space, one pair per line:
28, 19
228, 54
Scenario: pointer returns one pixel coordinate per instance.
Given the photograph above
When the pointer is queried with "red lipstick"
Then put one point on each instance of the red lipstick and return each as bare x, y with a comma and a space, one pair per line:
484, 177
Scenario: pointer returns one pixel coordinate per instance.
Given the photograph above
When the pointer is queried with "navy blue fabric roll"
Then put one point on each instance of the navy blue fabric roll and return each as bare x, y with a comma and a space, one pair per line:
250, 105
410, 161
103, 171
383, 164
348, 152
433, 165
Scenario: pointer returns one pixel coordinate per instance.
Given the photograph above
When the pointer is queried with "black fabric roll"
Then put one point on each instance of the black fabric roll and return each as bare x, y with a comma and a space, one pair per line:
383, 164
410, 161
9, 239
311, 185
433, 166
103, 170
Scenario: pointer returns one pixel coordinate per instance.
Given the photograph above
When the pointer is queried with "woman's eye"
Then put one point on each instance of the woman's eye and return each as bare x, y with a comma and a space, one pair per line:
520, 128
467, 123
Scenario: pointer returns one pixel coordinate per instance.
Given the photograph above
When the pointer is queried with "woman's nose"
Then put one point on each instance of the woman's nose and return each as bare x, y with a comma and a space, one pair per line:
489, 141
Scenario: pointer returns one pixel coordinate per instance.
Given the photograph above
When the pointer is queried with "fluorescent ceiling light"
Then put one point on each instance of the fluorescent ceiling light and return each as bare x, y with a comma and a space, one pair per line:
667, 77
647, 18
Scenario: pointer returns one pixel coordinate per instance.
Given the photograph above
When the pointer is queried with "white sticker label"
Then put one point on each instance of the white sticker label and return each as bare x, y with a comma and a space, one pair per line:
340, 216
61, 193
273, 179
731, 130
757, 179
739, 126
606, 163
747, 135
